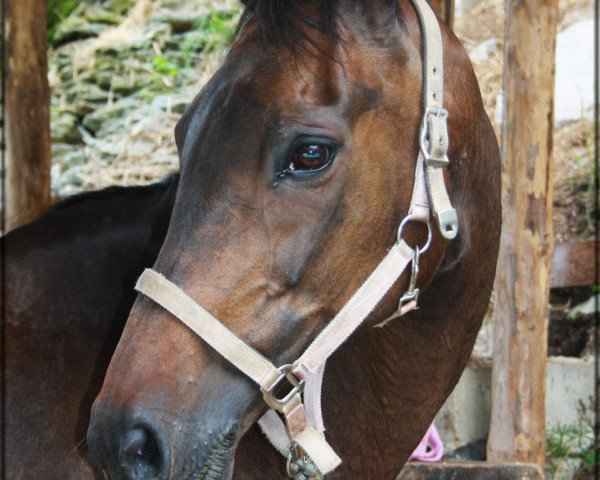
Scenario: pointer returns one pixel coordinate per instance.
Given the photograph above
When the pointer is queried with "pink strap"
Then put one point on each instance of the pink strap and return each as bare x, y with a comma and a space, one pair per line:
431, 448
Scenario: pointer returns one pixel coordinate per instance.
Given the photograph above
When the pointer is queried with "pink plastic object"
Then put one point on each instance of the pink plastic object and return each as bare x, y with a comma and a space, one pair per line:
431, 447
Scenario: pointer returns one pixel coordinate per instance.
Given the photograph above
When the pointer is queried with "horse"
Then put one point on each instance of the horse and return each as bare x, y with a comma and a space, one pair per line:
68, 289
296, 167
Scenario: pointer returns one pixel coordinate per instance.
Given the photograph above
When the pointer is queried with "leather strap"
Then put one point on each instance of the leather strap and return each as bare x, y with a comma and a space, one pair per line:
356, 310
243, 356
262, 371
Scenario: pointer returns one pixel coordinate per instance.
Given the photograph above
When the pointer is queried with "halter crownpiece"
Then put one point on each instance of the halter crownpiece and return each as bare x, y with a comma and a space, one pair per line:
301, 440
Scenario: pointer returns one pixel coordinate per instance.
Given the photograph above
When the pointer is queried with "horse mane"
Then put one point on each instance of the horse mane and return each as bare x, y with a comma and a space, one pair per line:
297, 25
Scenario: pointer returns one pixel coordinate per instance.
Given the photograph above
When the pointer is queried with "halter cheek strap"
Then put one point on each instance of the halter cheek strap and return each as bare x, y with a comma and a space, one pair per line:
302, 438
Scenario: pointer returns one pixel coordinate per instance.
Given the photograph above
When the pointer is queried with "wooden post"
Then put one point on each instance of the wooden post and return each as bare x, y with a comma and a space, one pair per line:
444, 9
517, 424
27, 114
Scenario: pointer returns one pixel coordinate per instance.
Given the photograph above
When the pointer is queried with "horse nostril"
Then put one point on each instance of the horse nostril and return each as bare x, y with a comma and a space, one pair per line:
140, 455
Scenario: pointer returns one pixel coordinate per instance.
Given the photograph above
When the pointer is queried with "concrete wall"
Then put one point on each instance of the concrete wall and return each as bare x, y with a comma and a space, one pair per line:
569, 399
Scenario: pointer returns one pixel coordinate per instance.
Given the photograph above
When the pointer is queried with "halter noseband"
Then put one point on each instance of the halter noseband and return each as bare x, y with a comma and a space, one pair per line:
301, 439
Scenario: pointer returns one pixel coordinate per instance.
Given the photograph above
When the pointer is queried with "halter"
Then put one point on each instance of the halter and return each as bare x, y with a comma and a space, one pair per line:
301, 439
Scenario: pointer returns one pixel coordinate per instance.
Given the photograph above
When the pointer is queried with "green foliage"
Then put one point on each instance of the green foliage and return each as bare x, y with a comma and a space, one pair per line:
211, 31
163, 61
582, 181
121, 6
570, 442
587, 179
164, 67
58, 10
163, 77
108, 12
218, 26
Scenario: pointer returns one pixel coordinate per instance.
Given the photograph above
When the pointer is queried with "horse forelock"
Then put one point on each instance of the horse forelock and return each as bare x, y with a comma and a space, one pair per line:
298, 25
316, 27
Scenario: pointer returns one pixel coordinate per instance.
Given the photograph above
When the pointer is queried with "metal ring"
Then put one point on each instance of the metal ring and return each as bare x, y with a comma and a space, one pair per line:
405, 221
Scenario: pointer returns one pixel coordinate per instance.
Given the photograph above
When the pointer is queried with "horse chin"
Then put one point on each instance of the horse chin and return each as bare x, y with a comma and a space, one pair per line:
216, 463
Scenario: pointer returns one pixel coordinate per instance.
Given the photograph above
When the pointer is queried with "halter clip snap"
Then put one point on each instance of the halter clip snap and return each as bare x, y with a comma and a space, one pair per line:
412, 294
269, 393
299, 465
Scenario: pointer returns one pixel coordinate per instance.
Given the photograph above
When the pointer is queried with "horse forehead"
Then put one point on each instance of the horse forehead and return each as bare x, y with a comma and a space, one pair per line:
289, 85
274, 75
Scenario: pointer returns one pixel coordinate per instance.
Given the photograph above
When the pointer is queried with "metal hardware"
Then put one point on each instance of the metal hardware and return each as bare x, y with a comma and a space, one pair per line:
435, 162
424, 137
412, 293
299, 465
403, 224
297, 387
447, 221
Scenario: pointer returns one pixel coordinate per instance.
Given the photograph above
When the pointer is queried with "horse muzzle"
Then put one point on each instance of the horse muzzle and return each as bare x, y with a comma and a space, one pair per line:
140, 445
128, 446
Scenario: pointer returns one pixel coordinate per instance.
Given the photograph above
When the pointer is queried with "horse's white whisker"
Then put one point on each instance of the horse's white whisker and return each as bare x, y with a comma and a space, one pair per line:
76, 447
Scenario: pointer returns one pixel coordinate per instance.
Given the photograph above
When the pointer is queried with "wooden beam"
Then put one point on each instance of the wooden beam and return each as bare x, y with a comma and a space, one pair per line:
574, 264
462, 470
27, 114
517, 430
444, 9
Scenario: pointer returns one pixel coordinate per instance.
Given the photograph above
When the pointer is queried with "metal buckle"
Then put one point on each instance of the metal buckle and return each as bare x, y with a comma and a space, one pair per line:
403, 224
424, 137
299, 465
297, 387
435, 162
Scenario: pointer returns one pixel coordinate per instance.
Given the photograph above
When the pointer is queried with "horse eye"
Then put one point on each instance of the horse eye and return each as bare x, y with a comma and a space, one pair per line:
310, 157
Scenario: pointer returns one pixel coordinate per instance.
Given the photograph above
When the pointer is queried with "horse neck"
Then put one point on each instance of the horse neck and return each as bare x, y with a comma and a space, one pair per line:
88, 252
383, 388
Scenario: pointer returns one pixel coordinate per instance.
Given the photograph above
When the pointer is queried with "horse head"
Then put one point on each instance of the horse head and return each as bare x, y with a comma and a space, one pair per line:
297, 165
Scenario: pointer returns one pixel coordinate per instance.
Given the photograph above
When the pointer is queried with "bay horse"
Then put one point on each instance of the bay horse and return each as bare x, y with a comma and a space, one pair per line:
297, 163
